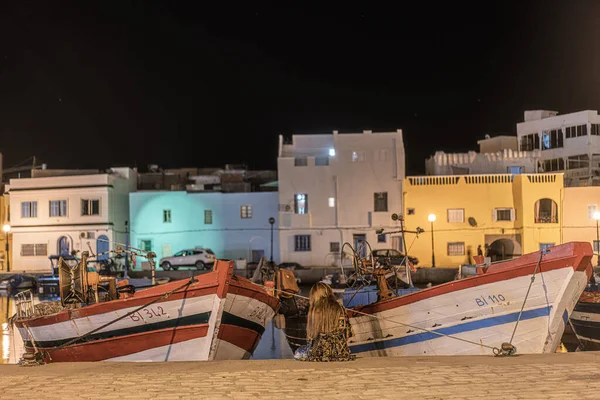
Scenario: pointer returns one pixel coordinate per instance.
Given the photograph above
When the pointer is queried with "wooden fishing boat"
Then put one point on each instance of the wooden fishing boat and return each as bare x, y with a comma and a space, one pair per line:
585, 319
477, 315
213, 316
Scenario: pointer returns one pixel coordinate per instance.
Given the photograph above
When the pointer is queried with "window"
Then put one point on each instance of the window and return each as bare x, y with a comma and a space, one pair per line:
301, 203
90, 207
544, 246
300, 161
576, 131
595, 129
208, 217
504, 214
29, 209
515, 170
146, 244
580, 161
334, 247
530, 142
557, 164
32, 250
456, 248
331, 202
381, 238
456, 215
246, 211
302, 243
58, 208
166, 216
321, 161
410, 211
596, 246
546, 211
380, 200
381, 155
358, 156
552, 139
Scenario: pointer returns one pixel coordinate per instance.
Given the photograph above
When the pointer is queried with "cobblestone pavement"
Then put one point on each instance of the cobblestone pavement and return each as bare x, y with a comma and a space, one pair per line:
548, 376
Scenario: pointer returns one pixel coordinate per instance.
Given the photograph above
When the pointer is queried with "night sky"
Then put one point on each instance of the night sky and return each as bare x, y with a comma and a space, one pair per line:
91, 85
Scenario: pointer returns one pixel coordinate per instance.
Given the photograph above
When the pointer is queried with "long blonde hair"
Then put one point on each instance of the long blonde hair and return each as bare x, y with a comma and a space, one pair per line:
324, 312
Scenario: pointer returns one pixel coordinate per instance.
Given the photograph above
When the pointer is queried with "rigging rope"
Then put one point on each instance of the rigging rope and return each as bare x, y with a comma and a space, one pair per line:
495, 350
542, 252
164, 296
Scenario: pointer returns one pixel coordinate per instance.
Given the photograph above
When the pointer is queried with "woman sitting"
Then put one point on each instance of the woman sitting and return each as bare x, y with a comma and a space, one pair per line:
328, 328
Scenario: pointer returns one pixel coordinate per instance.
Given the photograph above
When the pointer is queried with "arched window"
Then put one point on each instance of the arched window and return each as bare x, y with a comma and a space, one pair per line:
546, 211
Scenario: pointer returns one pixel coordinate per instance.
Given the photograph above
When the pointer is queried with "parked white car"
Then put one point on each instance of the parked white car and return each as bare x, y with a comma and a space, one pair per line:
199, 258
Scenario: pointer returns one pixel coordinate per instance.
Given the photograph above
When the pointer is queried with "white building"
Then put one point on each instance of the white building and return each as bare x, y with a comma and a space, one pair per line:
337, 188
569, 143
497, 155
233, 225
56, 212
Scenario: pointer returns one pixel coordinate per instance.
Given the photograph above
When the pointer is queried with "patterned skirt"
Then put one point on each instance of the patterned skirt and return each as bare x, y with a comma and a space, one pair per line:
330, 347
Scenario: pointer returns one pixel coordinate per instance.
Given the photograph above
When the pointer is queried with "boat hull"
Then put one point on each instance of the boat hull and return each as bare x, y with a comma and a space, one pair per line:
585, 322
221, 316
480, 312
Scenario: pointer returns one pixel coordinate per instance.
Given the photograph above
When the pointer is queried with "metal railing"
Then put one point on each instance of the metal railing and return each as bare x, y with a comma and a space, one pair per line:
24, 304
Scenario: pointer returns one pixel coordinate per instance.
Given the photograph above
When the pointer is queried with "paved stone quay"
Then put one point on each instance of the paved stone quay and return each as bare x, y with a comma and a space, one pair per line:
547, 376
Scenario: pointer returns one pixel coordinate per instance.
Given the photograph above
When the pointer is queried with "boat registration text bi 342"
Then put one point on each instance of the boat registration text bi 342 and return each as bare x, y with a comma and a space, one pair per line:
146, 314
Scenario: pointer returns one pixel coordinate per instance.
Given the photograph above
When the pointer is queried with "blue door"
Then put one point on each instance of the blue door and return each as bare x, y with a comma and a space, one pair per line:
63, 246
102, 246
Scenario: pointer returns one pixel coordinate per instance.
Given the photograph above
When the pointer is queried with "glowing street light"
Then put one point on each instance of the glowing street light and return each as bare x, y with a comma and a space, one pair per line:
432, 218
6, 229
596, 216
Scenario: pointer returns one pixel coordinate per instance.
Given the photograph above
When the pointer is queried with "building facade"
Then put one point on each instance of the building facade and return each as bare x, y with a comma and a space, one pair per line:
569, 143
513, 214
338, 188
580, 224
233, 225
497, 155
58, 212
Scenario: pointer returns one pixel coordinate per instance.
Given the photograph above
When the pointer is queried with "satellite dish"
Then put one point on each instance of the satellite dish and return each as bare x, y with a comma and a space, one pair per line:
487, 136
472, 221
395, 217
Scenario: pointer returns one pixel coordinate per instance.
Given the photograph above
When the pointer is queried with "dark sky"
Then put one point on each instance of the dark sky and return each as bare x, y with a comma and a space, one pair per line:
90, 85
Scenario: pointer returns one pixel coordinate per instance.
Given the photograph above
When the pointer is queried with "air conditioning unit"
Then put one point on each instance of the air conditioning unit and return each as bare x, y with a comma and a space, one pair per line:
87, 235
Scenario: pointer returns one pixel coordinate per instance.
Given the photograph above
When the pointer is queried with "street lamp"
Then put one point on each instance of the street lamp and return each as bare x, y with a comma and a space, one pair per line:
271, 221
6, 229
596, 216
431, 218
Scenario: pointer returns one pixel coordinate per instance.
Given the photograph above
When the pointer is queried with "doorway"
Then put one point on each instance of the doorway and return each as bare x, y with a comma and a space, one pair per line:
257, 255
359, 244
102, 246
64, 248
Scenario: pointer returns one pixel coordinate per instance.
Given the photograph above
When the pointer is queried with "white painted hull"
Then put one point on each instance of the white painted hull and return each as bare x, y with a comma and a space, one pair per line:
484, 314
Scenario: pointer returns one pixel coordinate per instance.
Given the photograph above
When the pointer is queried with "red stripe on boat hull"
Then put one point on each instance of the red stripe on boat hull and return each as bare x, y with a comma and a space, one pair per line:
105, 349
244, 338
577, 255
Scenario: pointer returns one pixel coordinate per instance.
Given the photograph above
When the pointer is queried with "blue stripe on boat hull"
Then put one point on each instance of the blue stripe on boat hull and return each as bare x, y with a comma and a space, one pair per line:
452, 330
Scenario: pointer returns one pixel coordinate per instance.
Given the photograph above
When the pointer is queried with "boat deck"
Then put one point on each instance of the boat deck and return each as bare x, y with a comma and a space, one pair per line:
545, 376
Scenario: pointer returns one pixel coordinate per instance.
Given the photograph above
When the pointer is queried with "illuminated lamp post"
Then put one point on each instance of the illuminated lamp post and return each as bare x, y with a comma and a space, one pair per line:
6, 229
431, 218
596, 216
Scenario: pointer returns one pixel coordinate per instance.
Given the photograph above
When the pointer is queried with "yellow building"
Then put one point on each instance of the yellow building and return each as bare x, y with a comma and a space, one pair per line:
579, 224
513, 214
4, 220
